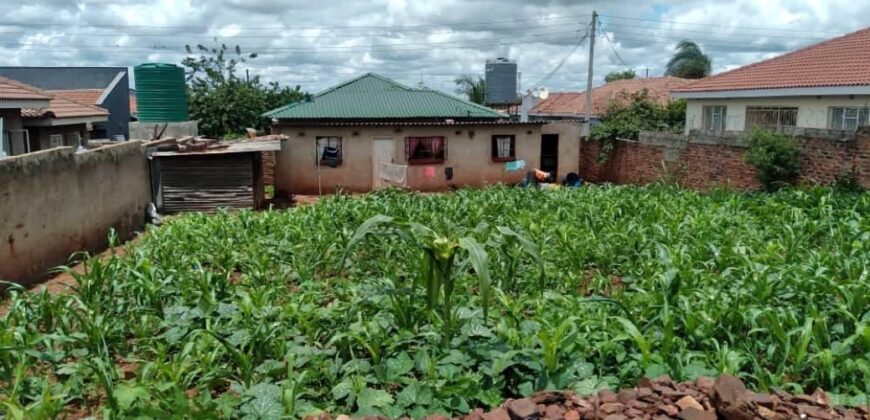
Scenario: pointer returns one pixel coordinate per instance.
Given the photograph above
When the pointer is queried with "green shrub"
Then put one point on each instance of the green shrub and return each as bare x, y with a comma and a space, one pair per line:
775, 157
846, 180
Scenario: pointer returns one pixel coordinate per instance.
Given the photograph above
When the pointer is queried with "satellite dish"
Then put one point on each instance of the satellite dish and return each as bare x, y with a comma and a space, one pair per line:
541, 93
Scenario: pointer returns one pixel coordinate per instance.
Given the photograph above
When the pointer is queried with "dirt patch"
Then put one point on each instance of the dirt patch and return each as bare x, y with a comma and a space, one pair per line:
65, 281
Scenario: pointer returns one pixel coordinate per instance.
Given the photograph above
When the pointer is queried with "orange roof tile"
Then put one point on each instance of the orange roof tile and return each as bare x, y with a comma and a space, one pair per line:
133, 108
64, 108
85, 96
13, 89
841, 61
658, 89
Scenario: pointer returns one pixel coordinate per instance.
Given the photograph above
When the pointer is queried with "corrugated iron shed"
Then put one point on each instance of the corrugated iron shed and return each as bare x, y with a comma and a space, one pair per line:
207, 180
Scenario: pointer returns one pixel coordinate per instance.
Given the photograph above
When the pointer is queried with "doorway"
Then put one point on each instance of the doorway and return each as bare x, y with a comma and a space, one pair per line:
383, 150
550, 155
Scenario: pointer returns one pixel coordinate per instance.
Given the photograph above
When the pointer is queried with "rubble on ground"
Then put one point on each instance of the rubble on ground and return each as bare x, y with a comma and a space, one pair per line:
662, 398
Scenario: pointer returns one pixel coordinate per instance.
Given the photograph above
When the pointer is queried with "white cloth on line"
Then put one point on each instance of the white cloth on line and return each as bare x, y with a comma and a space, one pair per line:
393, 173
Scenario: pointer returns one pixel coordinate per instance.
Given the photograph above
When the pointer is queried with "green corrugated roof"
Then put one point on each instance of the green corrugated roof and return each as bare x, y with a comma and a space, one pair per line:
371, 96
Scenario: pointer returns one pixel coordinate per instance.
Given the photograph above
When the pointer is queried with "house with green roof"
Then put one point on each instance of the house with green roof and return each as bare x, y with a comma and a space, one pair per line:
371, 132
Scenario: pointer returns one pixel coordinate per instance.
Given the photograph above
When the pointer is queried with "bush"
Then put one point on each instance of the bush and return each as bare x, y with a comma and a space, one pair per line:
775, 157
846, 180
629, 114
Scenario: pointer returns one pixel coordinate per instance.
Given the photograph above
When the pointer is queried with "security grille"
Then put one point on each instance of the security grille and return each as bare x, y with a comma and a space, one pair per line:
770, 117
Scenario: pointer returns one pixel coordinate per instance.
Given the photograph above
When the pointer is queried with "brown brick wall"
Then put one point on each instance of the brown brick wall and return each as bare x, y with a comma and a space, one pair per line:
702, 163
269, 168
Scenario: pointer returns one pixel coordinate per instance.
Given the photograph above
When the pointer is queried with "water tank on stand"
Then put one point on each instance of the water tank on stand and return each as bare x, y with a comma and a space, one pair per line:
501, 82
161, 93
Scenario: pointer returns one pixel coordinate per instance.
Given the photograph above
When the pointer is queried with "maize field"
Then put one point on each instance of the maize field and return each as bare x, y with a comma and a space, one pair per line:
404, 304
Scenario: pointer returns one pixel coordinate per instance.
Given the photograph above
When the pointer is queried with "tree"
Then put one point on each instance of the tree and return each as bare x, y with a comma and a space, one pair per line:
224, 103
629, 114
689, 62
474, 88
620, 75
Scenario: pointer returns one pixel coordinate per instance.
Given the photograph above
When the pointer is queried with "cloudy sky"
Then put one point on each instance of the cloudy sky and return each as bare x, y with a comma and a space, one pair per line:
316, 44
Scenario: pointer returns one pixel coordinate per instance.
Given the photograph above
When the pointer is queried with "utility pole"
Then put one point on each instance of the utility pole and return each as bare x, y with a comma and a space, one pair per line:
589, 76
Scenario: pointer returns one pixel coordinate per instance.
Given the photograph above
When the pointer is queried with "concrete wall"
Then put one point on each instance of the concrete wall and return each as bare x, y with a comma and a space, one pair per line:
468, 154
117, 102
145, 130
57, 202
813, 111
701, 160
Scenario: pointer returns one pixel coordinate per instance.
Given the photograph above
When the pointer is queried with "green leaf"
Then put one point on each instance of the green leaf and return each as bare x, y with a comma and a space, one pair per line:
479, 261
127, 395
262, 408
374, 398
398, 366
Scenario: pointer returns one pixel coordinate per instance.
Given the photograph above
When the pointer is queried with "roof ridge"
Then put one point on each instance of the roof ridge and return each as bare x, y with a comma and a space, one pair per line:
774, 59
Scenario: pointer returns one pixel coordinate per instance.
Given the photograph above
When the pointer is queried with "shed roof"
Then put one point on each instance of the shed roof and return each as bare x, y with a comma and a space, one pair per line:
838, 62
658, 89
374, 97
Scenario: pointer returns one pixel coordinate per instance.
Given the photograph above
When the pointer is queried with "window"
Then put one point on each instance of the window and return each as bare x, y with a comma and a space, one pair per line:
329, 151
503, 148
714, 117
848, 118
425, 149
770, 117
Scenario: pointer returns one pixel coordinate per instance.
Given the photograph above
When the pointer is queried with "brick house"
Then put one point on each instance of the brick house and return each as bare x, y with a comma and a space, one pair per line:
371, 132
823, 86
32, 119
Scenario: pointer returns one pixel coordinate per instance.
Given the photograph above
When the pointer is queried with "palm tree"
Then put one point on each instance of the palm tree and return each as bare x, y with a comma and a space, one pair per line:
472, 87
689, 62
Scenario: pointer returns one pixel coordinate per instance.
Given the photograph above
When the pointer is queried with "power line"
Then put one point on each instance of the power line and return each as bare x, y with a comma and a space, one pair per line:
730, 34
705, 24
266, 36
284, 27
460, 44
613, 47
561, 63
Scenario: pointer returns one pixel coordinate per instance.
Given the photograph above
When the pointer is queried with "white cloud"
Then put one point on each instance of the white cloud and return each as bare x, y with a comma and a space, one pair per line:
318, 44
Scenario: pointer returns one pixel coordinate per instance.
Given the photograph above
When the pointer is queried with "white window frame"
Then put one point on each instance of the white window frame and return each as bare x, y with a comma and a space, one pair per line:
322, 142
713, 112
861, 117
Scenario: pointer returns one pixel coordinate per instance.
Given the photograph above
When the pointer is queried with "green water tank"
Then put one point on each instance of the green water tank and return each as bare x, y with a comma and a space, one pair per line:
161, 93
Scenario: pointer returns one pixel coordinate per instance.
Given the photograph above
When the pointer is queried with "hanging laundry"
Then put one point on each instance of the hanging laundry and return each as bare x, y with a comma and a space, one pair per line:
393, 173
514, 166
429, 172
331, 157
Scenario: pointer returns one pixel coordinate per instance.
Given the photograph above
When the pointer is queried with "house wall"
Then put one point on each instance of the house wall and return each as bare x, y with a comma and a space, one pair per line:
57, 202
39, 136
12, 121
117, 102
813, 111
468, 153
703, 161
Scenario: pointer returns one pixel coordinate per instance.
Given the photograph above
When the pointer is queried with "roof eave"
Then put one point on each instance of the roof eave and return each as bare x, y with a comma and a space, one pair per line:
23, 103
54, 121
773, 92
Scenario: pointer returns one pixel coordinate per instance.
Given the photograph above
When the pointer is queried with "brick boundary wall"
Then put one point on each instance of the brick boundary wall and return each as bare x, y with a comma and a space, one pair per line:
703, 160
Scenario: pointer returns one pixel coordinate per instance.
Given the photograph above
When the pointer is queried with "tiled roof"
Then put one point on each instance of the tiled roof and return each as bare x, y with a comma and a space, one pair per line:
574, 103
133, 108
64, 108
13, 89
85, 96
842, 61
374, 97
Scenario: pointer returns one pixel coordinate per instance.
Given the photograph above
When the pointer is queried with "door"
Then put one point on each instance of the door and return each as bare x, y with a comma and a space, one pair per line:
550, 155
382, 151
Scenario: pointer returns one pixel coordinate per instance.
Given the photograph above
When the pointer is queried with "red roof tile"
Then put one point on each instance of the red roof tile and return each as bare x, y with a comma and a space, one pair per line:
64, 108
658, 89
13, 89
842, 61
133, 107
85, 96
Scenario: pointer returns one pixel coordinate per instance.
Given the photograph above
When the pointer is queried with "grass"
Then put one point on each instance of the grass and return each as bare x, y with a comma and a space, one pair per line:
406, 304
